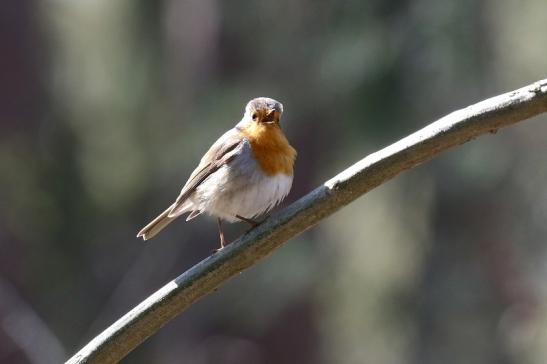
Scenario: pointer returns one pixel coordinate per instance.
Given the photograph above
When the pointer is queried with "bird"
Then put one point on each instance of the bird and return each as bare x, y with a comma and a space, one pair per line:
243, 175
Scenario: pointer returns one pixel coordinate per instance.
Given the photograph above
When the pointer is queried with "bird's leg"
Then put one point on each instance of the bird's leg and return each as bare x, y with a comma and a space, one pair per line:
221, 234
252, 222
249, 221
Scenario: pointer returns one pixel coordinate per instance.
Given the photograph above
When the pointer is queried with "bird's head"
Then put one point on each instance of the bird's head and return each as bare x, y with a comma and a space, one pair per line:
263, 110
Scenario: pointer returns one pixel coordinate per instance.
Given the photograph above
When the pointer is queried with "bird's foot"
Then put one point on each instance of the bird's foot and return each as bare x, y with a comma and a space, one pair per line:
252, 222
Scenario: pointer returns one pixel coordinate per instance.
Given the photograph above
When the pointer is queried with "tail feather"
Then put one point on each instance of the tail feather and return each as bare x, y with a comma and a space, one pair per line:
179, 208
193, 214
156, 225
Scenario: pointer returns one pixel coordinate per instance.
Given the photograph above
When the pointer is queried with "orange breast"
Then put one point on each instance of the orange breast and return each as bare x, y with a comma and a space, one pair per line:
270, 148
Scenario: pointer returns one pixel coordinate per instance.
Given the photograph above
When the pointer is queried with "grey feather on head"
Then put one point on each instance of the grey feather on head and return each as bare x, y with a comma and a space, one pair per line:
261, 103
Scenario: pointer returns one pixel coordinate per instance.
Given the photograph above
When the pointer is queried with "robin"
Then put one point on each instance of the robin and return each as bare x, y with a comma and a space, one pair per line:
244, 174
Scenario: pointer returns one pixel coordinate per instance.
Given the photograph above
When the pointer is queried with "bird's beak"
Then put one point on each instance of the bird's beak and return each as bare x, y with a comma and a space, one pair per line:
271, 116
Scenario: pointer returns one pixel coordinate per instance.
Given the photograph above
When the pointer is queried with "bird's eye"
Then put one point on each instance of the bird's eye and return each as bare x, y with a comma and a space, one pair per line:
254, 116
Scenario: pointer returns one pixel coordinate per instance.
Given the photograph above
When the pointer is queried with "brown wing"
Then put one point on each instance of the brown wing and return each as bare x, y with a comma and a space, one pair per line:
220, 153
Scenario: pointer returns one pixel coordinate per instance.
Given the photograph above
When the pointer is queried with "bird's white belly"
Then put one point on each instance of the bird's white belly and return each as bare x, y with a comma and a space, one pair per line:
240, 189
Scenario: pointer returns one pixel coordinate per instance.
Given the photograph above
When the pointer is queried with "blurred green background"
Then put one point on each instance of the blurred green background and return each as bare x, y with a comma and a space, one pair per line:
107, 106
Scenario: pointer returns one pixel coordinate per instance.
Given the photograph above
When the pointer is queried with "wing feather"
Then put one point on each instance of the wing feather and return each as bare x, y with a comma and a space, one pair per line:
220, 153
